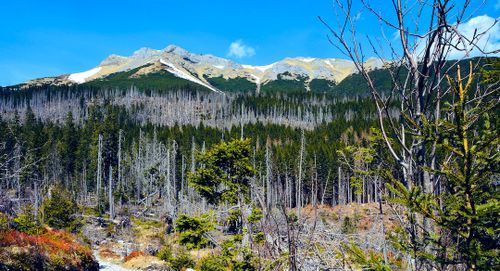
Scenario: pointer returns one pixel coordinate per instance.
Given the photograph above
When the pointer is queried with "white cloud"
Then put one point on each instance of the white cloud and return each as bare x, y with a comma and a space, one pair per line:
239, 50
488, 42
486, 33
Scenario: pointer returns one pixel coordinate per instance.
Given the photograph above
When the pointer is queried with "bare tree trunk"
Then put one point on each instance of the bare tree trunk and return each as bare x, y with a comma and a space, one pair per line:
299, 177
119, 181
111, 198
339, 184
99, 173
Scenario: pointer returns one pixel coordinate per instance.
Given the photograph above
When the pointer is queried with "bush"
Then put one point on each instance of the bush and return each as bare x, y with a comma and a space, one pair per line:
25, 221
165, 254
248, 262
182, 261
192, 230
59, 210
212, 263
4, 221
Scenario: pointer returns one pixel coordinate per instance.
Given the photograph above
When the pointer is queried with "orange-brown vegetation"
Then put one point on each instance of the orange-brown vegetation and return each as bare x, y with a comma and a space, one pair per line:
52, 249
132, 255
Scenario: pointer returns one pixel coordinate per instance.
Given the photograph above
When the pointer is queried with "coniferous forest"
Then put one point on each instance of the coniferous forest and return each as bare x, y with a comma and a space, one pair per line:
392, 168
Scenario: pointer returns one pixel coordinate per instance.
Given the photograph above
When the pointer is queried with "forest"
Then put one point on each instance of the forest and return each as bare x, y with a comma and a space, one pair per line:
390, 169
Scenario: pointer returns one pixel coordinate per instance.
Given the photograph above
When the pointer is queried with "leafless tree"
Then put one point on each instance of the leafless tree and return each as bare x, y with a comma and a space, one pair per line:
429, 39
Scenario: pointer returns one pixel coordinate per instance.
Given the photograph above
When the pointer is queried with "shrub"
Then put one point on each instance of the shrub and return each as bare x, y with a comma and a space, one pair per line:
165, 253
181, 261
192, 230
25, 221
4, 221
246, 264
59, 210
212, 263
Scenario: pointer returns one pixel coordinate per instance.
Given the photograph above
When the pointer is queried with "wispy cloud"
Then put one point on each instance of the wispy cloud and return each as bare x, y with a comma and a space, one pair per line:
497, 5
488, 42
485, 31
238, 49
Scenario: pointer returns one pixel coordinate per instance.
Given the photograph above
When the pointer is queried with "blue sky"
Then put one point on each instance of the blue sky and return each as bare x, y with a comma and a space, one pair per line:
45, 38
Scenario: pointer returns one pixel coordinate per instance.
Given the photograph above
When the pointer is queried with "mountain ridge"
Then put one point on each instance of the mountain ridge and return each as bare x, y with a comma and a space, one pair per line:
204, 69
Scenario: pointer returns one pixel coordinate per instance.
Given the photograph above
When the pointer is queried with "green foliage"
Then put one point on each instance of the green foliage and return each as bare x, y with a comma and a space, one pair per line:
60, 209
165, 253
232, 84
255, 216
25, 221
4, 221
465, 213
490, 71
193, 230
259, 237
181, 261
247, 263
213, 263
322, 86
225, 172
178, 260
370, 260
238, 256
233, 220
285, 84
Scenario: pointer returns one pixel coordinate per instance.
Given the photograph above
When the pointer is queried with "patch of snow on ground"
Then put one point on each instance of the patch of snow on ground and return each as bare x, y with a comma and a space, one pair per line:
329, 64
179, 73
307, 59
257, 79
260, 68
81, 76
108, 266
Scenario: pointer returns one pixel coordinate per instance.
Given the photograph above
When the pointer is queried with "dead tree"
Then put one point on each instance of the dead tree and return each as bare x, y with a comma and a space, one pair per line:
417, 66
110, 195
99, 172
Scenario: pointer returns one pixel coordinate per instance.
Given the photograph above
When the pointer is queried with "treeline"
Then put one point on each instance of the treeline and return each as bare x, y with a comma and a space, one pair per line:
41, 153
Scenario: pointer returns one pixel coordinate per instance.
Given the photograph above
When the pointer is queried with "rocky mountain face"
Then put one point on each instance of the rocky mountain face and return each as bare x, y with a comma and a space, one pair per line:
214, 73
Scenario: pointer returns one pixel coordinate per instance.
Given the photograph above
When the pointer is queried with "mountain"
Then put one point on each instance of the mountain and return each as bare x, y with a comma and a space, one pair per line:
211, 72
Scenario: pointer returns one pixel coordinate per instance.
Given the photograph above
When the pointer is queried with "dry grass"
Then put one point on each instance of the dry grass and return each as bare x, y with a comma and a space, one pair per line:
366, 213
141, 262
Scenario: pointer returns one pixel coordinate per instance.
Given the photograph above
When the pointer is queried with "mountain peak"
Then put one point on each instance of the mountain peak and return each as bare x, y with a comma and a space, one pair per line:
113, 60
175, 50
145, 53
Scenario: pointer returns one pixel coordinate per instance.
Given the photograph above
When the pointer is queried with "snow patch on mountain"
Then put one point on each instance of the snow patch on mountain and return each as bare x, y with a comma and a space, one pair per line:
259, 68
184, 75
307, 59
257, 79
82, 76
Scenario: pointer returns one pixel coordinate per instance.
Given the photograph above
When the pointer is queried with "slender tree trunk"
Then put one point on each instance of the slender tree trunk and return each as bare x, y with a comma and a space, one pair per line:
299, 177
99, 173
111, 198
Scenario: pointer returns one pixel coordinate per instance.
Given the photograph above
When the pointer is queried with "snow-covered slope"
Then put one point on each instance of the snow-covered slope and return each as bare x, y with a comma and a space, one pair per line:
82, 76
